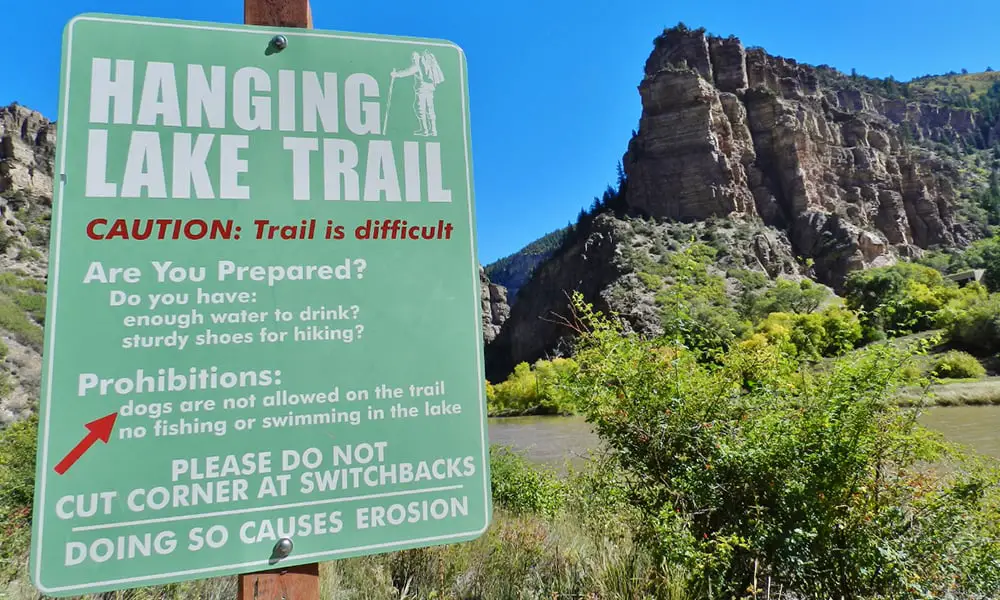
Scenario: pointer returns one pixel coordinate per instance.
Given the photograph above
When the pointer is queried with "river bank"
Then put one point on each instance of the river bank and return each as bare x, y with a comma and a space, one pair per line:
977, 392
555, 440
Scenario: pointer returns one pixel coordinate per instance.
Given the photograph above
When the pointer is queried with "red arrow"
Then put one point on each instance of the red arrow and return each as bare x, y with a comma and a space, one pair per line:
100, 429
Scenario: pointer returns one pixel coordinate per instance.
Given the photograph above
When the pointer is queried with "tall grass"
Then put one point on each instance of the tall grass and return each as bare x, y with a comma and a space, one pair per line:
565, 537
519, 556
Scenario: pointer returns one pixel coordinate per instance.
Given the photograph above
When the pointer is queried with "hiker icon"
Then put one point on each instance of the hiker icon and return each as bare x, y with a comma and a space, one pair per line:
427, 75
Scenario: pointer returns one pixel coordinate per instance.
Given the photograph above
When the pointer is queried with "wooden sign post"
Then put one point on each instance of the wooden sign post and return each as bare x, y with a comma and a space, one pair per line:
300, 582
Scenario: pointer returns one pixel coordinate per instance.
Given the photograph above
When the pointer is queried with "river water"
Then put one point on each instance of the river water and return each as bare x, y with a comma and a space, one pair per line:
555, 440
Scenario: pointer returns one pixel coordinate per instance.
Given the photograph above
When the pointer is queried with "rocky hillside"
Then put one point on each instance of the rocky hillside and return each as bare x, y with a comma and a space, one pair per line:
622, 264
494, 306
27, 145
792, 169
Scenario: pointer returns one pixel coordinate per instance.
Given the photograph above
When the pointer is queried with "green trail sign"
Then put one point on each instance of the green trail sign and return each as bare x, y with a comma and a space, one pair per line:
264, 315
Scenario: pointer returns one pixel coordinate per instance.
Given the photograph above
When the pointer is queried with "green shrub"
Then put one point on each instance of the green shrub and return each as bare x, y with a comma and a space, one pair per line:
13, 319
831, 332
977, 329
983, 254
842, 329
898, 300
694, 307
785, 297
652, 282
10, 281
522, 488
911, 373
17, 488
750, 281
753, 471
957, 365
959, 305
537, 389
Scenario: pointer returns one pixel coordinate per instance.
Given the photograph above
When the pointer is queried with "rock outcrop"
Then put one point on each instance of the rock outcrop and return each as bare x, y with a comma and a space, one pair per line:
538, 321
807, 159
495, 308
27, 150
606, 264
731, 132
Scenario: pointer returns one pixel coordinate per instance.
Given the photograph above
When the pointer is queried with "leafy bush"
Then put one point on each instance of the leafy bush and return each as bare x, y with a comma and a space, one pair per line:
694, 307
534, 388
17, 488
521, 488
754, 471
985, 254
957, 365
785, 297
812, 336
978, 328
982, 254
959, 305
21, 298
898, 300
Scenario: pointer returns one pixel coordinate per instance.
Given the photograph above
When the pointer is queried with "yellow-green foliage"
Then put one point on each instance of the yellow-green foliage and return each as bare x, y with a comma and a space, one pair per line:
22, 308
818, 483
786, 296
11, 281
958, 305
534, 388
17, 486
900, 299
694, 306
957, 365
975, 84
811, 336
978, 327
520, 487
14, 320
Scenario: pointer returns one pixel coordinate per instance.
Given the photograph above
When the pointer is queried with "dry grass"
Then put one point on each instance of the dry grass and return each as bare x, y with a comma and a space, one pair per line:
975, 84
519, 557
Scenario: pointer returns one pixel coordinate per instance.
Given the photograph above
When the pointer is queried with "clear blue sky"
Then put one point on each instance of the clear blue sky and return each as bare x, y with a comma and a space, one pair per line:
553, 82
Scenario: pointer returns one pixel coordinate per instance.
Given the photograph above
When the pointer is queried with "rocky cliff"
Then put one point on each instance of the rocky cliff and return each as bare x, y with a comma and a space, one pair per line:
494, 306
27, 150
731, 132
27, 146
794, 170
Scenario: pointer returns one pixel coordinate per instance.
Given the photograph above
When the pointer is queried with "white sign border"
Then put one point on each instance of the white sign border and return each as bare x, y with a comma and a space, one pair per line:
62, 128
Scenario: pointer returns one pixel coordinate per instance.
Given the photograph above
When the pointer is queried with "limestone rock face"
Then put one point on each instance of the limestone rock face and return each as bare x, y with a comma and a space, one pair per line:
494, 305
692, 150
731, 132
27, 149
